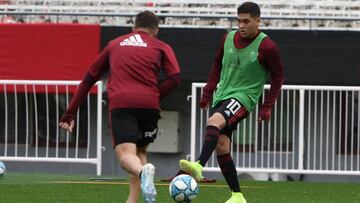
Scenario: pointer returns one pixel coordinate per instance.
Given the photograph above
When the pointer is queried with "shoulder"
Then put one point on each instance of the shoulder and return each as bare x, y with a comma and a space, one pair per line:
161, 44
231, 32
225, 36
234, 33
267, 44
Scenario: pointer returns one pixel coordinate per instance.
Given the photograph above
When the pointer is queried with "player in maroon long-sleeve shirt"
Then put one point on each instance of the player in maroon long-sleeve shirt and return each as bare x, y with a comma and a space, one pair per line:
236, 81
133, 61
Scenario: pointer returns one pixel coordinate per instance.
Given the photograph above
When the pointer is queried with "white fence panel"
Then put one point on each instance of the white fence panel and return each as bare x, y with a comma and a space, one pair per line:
29, 120
313, 130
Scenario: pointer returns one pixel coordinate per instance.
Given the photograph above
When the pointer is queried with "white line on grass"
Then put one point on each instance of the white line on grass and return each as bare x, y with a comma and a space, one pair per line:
126, 183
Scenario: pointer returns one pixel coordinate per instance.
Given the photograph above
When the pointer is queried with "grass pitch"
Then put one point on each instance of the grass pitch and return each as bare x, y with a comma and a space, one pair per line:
45, 188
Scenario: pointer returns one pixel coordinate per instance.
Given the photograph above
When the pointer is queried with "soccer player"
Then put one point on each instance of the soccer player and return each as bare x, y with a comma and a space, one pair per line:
240, 69
133, 62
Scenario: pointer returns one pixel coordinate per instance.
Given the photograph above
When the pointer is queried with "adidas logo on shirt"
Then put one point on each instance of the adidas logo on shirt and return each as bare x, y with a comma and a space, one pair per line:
134, 40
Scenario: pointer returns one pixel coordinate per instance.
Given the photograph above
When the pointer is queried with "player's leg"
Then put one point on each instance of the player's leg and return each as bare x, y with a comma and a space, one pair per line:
148, 119
224, 158
131, 163
135, 180
228, 169
124, 126
226, 163
134, 189
127, 156
215, 123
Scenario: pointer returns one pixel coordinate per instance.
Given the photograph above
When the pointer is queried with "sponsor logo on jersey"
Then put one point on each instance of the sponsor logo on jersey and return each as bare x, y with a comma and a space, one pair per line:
151, 133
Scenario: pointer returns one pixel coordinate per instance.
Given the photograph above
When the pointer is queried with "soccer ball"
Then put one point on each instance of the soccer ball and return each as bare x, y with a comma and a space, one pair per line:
183, 188
2, 169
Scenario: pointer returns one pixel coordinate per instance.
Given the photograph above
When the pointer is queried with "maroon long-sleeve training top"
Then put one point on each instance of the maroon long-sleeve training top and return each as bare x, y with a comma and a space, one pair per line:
133, 61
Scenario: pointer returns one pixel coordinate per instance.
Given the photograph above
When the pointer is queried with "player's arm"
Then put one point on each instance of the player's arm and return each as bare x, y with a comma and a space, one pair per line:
214, 76
94, 73
273, 63
171, 68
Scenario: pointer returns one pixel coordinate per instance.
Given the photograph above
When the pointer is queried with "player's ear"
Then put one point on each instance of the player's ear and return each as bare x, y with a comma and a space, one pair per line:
155, 32
258, 21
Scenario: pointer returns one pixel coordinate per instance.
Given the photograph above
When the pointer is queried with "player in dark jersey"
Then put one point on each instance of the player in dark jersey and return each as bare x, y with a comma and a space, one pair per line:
133, 62
242, 63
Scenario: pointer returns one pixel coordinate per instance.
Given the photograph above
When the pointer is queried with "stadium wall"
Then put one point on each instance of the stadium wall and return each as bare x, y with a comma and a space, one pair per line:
309, 57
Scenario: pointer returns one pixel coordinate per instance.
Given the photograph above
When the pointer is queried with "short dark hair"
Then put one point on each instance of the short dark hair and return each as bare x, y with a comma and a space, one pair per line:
147, 19
249, 7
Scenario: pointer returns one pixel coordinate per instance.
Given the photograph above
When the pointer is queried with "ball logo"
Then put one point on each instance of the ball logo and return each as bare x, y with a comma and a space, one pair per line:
134, 40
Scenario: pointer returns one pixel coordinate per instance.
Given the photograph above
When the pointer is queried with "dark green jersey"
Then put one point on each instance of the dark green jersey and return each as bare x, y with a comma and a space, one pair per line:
242, 76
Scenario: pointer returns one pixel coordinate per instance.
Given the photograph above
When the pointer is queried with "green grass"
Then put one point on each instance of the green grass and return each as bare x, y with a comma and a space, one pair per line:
39, 188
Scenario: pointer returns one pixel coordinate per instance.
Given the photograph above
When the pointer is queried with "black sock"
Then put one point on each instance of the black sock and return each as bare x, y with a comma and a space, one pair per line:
228, 169
211, 140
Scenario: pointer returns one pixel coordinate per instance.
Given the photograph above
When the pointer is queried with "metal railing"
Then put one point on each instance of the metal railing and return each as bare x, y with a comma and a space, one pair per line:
313, 130
29, 120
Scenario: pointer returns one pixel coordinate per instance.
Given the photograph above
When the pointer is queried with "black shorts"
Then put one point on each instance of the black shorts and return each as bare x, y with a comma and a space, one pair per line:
233, 112
130, 125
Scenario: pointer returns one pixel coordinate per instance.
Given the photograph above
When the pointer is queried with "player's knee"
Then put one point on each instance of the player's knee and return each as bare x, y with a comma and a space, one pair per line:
141, 151
122, 160
217, 120
222, 147
124, 157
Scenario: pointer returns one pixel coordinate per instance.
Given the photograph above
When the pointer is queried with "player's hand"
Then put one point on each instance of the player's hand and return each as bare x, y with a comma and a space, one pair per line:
264, 114
204, 102
67, 122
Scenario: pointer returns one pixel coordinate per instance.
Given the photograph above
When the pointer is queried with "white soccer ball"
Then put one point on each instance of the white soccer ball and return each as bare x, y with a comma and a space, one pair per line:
183, 188
2, 169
